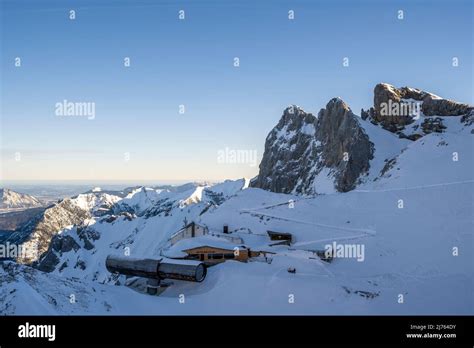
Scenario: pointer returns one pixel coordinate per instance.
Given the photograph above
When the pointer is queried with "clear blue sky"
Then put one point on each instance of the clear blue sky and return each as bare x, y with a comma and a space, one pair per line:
190, 62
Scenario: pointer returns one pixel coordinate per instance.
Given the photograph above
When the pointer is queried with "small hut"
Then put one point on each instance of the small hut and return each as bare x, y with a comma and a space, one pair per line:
281, 237
212, 255
191, 230
210, 250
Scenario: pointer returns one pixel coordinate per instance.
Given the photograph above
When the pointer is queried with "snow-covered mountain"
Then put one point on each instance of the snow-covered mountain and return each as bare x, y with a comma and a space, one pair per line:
11, 199
143, 221
338, 150
308, 154
407, 200
35, 236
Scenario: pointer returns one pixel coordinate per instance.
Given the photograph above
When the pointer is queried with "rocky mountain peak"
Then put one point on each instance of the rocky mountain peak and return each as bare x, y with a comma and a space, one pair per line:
307, 154
396, 108
294, 118
290, 152
346, 148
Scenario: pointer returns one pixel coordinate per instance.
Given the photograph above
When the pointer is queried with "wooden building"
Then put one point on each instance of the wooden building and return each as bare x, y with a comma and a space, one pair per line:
211, 255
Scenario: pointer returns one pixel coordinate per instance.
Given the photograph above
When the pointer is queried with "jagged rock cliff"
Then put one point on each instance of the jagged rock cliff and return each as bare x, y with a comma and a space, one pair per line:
346, 148
307, 154
396, 108
291, 153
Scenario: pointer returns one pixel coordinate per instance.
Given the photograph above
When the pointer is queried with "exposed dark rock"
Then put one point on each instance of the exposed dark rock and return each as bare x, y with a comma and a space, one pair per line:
364, 114
36, 236
63, 266
48, 263
80, 264
88, 245
431, 125
468, 119
389, 109
111, 218
87, 235
444, 107
362, 293
345, 146
389, 164
127, 216
161, 207
395, 108
64, 244
302, 145
412, 137
290, 154
50, 259
216, 198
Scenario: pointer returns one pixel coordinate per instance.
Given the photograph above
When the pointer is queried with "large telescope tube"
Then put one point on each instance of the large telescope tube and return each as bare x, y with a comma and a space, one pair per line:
189, 270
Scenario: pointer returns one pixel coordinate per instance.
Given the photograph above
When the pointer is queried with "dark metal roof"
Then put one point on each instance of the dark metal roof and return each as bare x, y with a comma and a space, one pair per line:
279, 233
215, 247
191, 224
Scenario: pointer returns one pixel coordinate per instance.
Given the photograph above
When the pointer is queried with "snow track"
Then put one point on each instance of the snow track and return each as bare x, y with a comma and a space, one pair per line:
365, 231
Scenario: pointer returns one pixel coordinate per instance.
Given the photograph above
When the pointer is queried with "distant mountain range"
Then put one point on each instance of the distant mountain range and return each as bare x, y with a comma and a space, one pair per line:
14, 200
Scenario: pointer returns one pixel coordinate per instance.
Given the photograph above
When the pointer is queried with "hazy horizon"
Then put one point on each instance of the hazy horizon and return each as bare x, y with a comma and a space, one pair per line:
9, 183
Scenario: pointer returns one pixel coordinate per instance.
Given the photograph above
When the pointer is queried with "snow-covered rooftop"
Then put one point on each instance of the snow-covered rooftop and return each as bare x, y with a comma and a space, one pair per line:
177, 250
